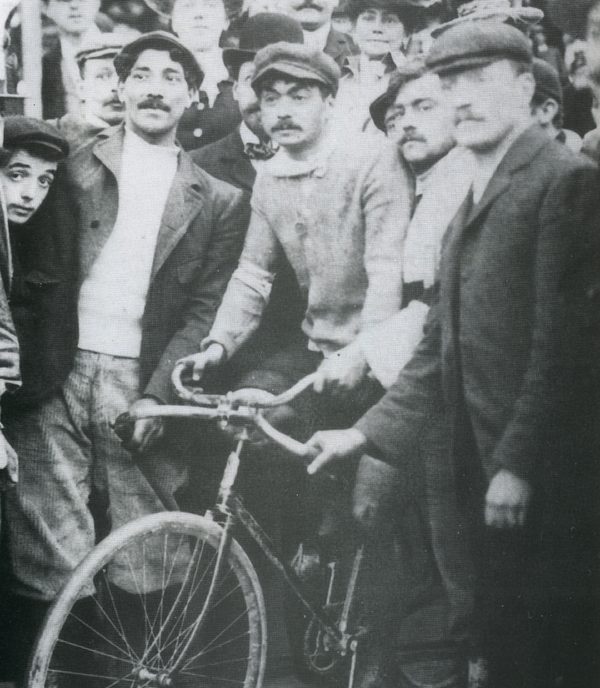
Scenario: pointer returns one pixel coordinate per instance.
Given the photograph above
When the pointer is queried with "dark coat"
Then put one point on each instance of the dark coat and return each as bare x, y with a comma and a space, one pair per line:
283, 316
197, 249
508, 345
43, 298
339, 45
53, 90
202, 125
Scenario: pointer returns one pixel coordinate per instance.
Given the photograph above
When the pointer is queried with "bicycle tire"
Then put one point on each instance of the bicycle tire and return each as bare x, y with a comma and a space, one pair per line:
121, 637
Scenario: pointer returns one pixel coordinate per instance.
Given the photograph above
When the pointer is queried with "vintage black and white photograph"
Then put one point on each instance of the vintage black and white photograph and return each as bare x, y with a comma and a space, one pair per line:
300, 344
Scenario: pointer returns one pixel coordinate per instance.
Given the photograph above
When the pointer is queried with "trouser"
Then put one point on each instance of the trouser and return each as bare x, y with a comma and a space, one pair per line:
67, 450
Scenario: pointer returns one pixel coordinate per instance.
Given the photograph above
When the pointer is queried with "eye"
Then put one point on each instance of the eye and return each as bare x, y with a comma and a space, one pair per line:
45, 182
16, 176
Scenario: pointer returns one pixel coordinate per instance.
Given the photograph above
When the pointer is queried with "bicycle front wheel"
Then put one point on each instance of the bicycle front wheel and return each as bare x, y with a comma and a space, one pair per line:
136, 613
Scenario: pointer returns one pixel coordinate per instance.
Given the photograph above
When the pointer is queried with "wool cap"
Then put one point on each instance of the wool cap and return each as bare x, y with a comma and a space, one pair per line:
408, 71
476, 44
158, 40
259, 31
99, 47
22, 131
298, 62
547, 82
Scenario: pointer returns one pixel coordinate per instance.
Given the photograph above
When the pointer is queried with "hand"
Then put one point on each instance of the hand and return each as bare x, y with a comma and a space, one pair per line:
343, 371
193, 366
506, 500
146, 431
335, 445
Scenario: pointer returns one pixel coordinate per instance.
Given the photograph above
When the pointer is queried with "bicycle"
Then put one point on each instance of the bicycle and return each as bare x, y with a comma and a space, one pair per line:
176, 602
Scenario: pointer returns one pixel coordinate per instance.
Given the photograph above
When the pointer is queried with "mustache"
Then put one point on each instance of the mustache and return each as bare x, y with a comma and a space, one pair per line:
411, 137
153, 104
113, 101
285, 126
309, 5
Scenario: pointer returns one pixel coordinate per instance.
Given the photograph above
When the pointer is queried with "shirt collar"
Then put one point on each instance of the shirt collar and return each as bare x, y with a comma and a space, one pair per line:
247, 135
282, 165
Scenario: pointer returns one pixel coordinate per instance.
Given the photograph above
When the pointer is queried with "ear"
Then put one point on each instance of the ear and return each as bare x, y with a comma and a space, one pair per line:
234, 91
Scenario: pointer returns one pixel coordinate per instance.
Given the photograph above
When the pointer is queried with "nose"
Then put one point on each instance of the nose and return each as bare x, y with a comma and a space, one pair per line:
377, 26
28, 189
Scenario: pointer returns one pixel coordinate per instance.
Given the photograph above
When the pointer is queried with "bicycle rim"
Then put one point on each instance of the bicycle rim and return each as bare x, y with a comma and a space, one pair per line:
150, 581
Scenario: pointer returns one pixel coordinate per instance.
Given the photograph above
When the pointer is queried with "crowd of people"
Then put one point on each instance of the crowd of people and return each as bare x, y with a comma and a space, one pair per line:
241, 196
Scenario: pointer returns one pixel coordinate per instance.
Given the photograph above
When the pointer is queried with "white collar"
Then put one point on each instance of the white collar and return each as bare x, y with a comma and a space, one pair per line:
135, 142
317, 39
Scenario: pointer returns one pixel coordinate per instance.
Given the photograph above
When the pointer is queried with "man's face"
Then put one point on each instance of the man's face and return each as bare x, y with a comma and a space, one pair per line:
247, 99
378, 32
73, 17
99, 91
489, 102
294, 114
155, 94
199, 23
421, 121
25, 182
312, 14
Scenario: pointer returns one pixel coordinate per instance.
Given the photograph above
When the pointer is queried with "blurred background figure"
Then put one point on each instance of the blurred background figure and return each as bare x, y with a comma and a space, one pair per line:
200, 25
547, 105
379, 29
75, 23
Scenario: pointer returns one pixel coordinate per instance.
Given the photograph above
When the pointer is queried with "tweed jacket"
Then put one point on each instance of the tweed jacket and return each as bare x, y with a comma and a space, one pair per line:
197, 248
507, 343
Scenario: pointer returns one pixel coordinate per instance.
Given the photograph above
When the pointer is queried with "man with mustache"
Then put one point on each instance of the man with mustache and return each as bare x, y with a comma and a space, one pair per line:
158, 240
315, 18
508, 359
101, 106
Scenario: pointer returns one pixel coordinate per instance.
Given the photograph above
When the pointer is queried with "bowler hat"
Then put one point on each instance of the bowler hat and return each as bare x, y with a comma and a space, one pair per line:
23, 132
99, 47
158, 40
298, 62
547, 82
476, 44
259, 31
410, 70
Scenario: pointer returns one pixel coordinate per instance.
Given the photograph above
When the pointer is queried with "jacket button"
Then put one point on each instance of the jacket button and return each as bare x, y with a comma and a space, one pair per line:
94, 224
197, 132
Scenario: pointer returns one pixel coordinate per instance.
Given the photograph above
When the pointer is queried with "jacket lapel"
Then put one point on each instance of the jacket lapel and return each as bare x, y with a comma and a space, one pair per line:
183, 204
240, 168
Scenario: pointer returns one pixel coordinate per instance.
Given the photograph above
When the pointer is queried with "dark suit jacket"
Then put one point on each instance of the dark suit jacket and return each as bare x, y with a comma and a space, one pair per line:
339, 45
53, 90
43, 297
197, 249
283, 316
202, 125
508, 346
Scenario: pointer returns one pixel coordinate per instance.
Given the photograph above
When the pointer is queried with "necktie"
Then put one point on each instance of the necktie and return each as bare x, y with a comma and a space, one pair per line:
259, 151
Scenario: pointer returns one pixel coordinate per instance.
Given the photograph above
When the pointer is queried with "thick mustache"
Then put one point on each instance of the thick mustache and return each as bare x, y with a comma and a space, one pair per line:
153, 104
309, 6
280, 127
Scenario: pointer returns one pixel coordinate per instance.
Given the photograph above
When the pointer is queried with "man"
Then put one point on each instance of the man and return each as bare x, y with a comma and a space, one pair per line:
236, 159
315, 18
507, 357
547, 105
200, 25
60, 75
140, 197
101, 106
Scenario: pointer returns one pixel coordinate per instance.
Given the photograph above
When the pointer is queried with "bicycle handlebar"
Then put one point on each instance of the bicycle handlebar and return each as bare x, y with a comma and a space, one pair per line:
226, 408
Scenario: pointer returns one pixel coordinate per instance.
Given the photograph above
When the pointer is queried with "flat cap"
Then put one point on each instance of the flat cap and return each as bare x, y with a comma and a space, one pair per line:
158, 40
408, 71
23, 132
298, 62
99, 47
547, 82
476, 44
261, 30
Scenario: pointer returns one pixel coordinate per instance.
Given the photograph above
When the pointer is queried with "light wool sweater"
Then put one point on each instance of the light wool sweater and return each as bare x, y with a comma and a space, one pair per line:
340, 219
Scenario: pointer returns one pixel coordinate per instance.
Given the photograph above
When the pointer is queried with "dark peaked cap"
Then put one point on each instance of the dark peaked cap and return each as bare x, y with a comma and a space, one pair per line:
408, 71
476, 44
547, 81
298, 62
22, 131
259, 31
158, 40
